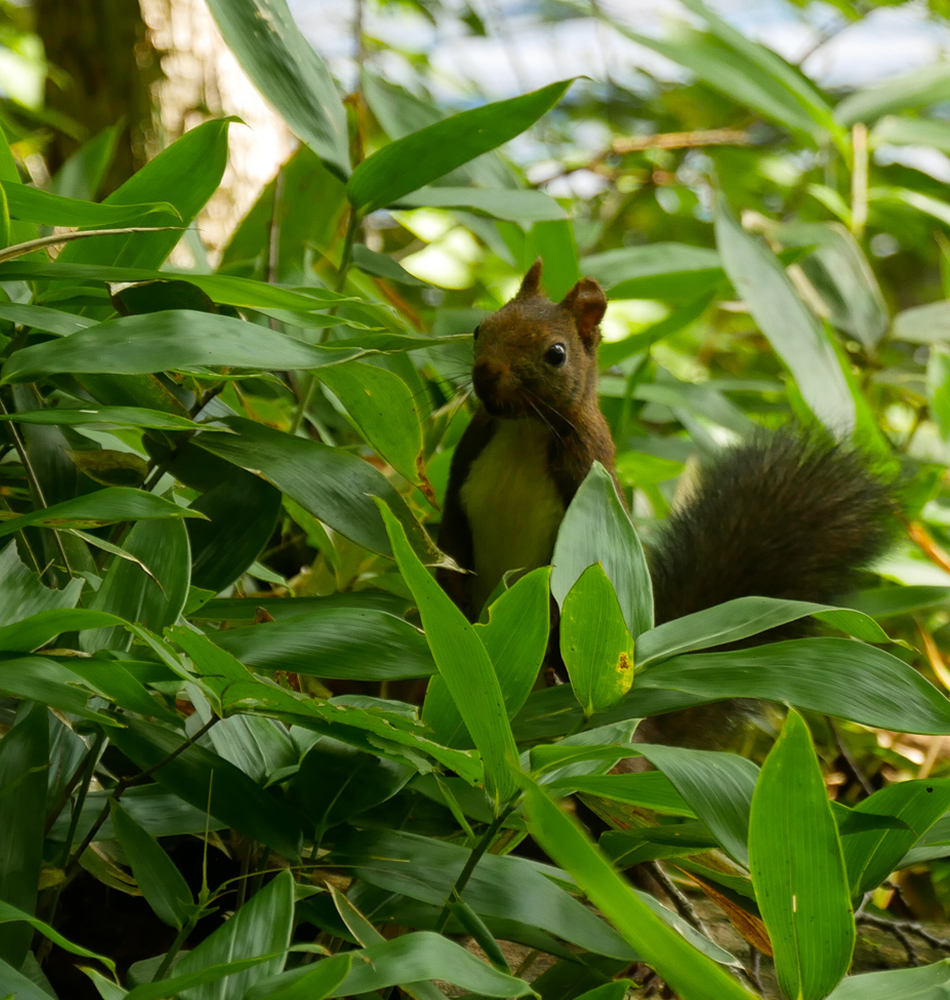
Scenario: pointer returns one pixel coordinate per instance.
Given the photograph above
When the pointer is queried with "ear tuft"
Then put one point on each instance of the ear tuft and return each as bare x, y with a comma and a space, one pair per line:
587, 303
531, 285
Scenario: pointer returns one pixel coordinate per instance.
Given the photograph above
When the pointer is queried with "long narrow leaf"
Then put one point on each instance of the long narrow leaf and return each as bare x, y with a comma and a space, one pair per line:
464, 664
798, 868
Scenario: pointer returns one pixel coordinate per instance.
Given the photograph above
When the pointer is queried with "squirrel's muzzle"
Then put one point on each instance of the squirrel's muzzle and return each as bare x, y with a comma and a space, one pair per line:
497, 387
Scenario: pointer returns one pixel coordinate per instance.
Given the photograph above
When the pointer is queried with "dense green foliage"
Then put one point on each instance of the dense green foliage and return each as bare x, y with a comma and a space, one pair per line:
230, 683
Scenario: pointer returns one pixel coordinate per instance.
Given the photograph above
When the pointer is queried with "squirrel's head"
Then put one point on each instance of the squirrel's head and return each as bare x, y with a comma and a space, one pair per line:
535, 357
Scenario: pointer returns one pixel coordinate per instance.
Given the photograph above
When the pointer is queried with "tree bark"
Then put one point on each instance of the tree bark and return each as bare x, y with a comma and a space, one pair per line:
104, 65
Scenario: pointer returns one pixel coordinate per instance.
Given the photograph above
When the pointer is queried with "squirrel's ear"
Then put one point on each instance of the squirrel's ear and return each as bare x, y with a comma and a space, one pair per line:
531, 285
587, 303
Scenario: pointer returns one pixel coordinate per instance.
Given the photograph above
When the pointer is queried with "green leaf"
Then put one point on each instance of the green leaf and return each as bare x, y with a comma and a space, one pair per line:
417, 956
47, 209
422, 157
383, 408
655, 271
504, 887
185, 175
930, 982
107, 506
854, 681
336, 782
312, 983
208, 782
595, 644
162, 885
740, 618
44, 318
40, 629
24, 758
15, 986
748, 73
202, 977
41, 679
175, 340
798, 870
218, 557
338, 643
686, 970
920, 87
717, 786
81, 175
384, 267
596, 528
938, 388
12, 914
17, 232
133, 595
116, 682
499, 203
871, 855
516, 638
626, 848
286, 70
885, 602
555, 243
21, 593
840, 275
464, 664
261, 927
793, 331
331, 484
928, 324
424, 955
400, 113
223, 289
108, 417
652, 790
159, 812
902, 130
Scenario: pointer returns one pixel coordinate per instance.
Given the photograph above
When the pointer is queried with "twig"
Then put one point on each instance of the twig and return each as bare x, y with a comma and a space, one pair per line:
21, 450
849, 760
686, 908
906, 926
680, 140
125, 783
474, 857
345, 261
899, 929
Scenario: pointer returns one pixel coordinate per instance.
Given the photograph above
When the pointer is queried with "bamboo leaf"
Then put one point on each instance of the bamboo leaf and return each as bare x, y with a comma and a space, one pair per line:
798, 869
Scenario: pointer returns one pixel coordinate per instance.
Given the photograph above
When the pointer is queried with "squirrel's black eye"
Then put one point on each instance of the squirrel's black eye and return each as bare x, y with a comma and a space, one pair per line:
556, 355
477, 328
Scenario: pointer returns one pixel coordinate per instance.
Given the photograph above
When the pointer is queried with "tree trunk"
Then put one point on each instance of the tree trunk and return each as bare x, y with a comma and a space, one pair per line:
103, 67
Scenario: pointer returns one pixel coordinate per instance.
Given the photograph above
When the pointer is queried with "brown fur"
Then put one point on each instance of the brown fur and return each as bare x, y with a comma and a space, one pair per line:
514, 382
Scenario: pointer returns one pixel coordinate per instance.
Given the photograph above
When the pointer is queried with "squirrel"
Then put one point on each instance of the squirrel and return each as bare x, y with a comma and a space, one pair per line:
792, 515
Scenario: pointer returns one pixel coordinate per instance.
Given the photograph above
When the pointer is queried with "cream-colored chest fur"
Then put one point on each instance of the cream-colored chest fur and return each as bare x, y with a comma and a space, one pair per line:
512, 505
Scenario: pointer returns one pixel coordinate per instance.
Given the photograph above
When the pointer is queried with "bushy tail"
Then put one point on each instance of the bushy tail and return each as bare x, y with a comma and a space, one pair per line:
790, 516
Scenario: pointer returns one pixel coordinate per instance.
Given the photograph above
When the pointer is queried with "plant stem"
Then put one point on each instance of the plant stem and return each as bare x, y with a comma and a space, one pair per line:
20, 447
478, 850
310, 382
126, 783
173, 950
859, 180
84, 774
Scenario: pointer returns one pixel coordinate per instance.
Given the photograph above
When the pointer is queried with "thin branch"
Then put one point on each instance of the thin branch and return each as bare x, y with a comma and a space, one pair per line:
125, 783
487, 839
20, 446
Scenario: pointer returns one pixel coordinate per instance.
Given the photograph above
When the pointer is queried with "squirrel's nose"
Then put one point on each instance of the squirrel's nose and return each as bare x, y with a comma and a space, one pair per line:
494, 383
487, 375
